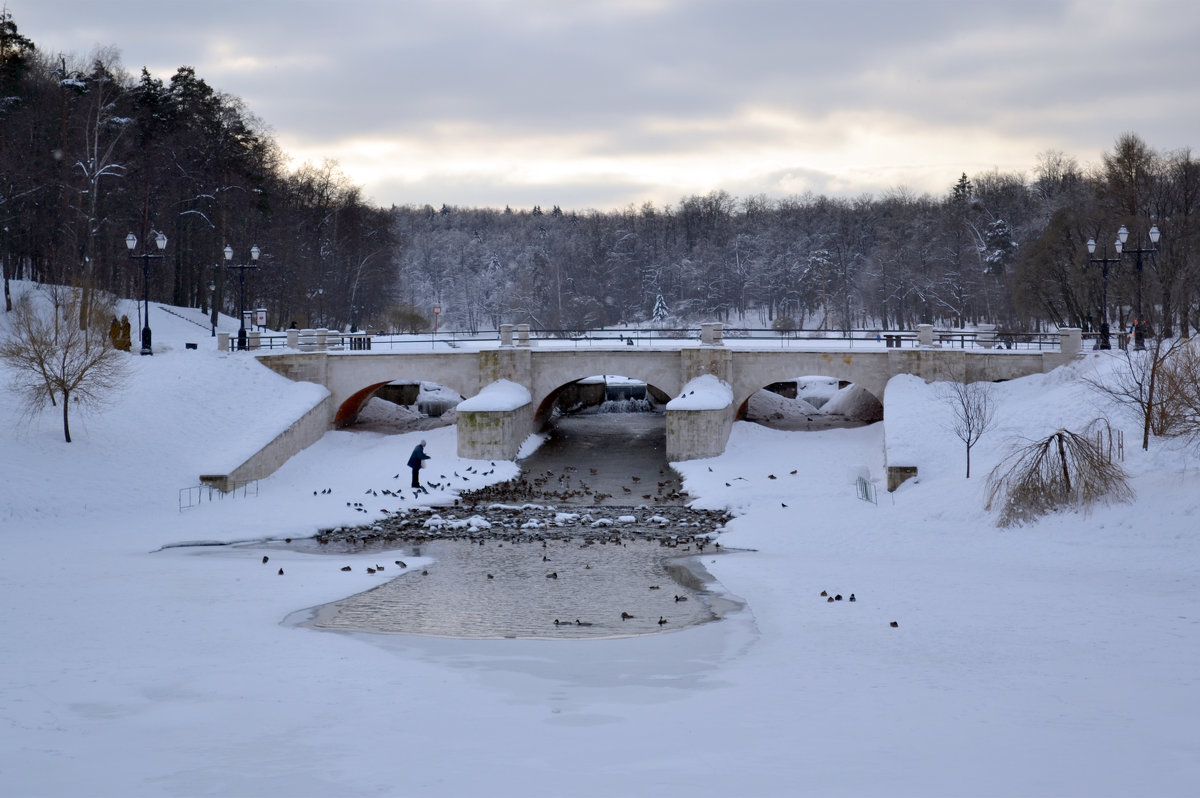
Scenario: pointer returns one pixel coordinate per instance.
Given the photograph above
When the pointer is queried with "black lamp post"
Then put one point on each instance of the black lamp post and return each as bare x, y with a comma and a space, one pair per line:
1104, 261
241, 269
1139, 324
131, 241
212, 294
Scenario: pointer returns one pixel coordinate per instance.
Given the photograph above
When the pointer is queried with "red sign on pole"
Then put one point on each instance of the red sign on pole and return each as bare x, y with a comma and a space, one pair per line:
437, 309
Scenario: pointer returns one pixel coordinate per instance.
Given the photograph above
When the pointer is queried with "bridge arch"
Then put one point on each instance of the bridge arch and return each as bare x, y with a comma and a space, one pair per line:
353, 380
545, 408
863, 370
554, 370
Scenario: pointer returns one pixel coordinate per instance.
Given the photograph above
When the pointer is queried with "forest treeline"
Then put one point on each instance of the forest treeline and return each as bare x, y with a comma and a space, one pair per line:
89, 153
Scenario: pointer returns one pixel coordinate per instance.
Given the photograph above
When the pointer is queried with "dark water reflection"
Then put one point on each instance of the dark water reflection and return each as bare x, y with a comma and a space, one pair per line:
593, 585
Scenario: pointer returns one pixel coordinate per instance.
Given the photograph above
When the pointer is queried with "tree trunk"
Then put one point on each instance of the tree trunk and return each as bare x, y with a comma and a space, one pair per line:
66, 423
1062, 454
1149, 413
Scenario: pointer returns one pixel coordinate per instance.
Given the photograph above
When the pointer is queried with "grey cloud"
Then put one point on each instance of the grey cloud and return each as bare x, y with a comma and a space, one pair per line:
1068, 73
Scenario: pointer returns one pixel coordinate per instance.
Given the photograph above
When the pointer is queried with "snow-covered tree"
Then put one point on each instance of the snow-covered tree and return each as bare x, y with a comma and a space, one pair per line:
660, 312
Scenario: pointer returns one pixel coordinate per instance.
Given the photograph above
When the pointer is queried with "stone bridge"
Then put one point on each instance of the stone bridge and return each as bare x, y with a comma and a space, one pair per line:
543, 372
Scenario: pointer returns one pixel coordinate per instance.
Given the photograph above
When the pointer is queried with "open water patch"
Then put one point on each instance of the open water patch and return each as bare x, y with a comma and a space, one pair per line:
535, 571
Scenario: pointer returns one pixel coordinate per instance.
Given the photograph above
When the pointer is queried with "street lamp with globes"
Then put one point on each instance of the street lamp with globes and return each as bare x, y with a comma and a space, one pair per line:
241, 269
131, 241
1139, 324
1104, 261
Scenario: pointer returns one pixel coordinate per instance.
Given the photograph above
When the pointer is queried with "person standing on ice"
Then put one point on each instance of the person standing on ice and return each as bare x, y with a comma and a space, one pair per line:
415, 461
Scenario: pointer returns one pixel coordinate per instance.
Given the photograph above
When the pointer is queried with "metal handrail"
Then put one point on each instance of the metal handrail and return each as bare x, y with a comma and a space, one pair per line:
957, 338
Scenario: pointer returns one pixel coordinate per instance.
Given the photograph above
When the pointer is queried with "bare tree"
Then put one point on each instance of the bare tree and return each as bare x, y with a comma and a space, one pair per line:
55, 361
1178, 410
1135, 384
974, 412
1062, 470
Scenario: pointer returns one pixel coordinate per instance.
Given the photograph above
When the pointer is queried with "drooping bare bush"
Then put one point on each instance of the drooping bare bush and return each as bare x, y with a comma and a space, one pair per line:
54, 361
1062, 471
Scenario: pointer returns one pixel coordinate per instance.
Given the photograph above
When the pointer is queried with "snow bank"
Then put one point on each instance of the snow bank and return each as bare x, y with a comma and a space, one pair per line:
706, 392
496, 396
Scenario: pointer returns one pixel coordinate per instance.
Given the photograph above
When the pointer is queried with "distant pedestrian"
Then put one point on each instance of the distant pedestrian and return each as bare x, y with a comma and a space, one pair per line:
415, 461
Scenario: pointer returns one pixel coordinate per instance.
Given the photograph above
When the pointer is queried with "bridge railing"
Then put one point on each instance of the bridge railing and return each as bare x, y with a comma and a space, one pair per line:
313, 340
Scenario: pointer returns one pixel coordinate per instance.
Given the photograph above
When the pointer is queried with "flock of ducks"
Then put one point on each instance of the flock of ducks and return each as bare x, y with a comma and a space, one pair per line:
569, 487
838, 597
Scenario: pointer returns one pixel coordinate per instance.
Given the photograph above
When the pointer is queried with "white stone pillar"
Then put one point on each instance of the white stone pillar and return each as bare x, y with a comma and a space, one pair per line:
293, 339
1070, 340
925, 335
523, 335
222, 342
506, 335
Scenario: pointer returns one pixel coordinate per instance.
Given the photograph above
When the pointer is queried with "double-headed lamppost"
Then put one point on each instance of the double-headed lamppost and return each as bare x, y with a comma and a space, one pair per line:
131, 241
241, 268
1139, 324
1104, 261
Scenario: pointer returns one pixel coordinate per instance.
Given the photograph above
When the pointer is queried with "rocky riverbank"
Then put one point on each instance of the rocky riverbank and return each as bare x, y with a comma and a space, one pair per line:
674, 527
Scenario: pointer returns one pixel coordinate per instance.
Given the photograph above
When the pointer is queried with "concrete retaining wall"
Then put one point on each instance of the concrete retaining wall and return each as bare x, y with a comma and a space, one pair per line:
304, 432
696, 434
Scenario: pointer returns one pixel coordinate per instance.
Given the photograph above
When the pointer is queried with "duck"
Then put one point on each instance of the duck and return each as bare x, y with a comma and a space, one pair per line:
552, 575
281, 572
626, 616
852, 597
265, 558
681, 598
661, 620
347, 568
582, 623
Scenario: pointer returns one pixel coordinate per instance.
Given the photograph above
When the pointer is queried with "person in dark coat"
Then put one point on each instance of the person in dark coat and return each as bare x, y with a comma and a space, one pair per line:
415, 460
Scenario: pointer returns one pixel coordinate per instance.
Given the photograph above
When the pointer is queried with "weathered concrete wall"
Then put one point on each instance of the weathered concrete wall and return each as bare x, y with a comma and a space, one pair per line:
299, 366
696, 434
493, 434
505, 363
304, 432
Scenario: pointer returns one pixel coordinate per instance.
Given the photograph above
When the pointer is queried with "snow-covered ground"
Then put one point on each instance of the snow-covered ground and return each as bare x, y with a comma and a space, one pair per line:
1049, 660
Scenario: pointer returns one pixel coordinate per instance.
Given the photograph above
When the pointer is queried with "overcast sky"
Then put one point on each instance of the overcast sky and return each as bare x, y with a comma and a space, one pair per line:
605, 103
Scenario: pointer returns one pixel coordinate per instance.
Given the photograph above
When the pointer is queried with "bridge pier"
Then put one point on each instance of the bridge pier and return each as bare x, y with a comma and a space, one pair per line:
493, 434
